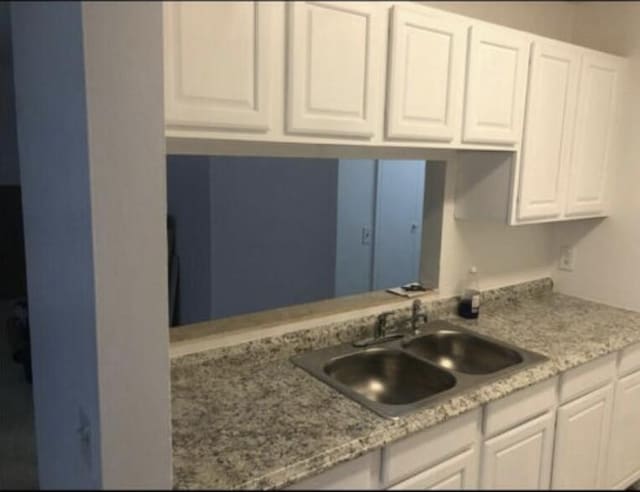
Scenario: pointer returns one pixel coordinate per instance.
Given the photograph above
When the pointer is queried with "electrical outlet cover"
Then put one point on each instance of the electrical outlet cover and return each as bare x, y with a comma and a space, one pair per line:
567, 259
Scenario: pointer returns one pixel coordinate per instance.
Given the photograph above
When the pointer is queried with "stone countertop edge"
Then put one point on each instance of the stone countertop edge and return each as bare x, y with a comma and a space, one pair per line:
566, 329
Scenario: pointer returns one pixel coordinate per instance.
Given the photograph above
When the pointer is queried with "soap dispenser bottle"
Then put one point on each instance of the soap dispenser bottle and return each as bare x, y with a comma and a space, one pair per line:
469, 305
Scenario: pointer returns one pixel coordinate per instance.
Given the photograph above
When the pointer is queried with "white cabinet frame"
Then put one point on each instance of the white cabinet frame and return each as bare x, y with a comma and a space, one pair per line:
497, 64
189, 103
426, 76
548, 133
322, 110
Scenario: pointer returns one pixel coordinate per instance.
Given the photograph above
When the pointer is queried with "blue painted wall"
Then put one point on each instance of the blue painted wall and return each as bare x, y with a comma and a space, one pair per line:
273, 234
188, 201
256, 233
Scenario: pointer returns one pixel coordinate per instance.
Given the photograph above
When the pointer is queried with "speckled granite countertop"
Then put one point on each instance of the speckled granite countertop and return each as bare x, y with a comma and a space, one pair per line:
246, 417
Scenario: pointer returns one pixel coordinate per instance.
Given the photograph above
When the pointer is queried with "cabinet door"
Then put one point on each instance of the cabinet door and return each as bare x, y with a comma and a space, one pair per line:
334, 68
426, 69
458, 472
623, 464
496, 83
360, 474
594, 121
217, 64
519, 458
548, 129
582, 434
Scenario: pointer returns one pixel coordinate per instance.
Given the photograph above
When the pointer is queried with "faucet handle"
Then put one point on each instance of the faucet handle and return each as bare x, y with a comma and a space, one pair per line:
382, 321
383, 317
415, 306
416, 315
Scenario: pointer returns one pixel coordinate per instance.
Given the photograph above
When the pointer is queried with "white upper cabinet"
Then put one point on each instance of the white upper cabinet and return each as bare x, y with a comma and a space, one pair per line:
550, 119
334, 65
496, 83
591, 145
426, 74
217, 65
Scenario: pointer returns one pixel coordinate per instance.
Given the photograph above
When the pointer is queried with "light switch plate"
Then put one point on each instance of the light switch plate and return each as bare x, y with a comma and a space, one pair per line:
366, 236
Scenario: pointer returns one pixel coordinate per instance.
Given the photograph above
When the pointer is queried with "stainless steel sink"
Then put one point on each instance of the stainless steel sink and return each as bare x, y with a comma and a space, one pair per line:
389, 376
400, 376
463, 352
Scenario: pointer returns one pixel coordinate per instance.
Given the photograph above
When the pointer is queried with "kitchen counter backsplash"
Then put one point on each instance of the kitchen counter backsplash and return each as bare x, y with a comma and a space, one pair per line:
288, 344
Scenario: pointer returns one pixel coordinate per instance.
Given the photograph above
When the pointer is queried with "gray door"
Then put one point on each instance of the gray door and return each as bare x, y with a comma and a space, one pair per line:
398, 222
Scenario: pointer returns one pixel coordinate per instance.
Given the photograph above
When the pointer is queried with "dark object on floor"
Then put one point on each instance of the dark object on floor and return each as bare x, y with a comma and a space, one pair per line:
173, 268
18, 336
13, 272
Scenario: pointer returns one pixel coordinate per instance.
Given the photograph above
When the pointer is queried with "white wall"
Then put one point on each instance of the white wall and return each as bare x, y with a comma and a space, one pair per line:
503, 254
552, 19
91, 141
125, 116
608, 251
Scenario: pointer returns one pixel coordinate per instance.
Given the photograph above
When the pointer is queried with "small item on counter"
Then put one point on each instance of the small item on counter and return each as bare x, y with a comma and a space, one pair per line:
412, 289
469, 305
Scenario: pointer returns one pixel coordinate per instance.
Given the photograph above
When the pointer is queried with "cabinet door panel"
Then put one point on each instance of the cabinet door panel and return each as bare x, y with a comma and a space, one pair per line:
334, 65
623, 465
550, 118
426, 70
496, 83
521, 457
217, 64
582, 436
594, 121
360, 474
458, 472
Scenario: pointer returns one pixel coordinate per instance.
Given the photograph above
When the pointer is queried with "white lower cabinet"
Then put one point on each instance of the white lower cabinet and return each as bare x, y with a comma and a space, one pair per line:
457, 472
518, 439
578, 433
445, 456
582, 427
521, 457
581, 441
623, 465
360, 474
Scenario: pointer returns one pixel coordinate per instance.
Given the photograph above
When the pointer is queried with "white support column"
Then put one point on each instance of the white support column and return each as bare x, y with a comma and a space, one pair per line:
89, 91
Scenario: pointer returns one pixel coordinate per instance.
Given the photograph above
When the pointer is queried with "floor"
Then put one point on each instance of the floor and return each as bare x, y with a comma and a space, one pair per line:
17, 441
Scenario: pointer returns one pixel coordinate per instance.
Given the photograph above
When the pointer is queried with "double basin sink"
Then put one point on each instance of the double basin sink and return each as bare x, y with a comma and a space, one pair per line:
399, 376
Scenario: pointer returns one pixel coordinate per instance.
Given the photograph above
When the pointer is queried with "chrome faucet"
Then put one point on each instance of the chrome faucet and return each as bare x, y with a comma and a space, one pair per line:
380, 328
379, 332
416, 315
